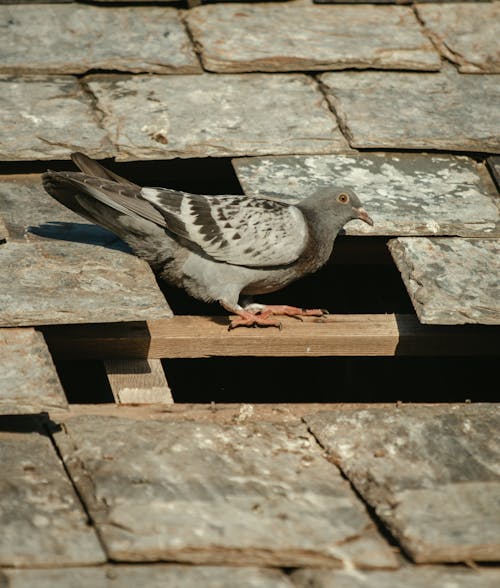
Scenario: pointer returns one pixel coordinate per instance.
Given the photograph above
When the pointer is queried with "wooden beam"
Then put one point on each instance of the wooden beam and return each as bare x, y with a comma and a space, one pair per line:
138, 381
338, 335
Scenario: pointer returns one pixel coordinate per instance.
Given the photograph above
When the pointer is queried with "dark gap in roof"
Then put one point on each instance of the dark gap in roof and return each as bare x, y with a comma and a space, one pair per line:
360, 278
332, 379
211, 175
84, 382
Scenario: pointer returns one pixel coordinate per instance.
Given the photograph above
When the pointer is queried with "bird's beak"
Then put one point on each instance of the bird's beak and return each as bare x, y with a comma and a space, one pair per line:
364, 216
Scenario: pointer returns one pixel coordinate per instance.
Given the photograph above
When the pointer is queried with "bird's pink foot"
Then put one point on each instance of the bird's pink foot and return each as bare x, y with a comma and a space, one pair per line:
248, 319
265, 310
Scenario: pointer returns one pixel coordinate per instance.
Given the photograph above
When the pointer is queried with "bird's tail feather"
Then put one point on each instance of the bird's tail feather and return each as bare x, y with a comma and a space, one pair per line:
104, 202
92, 168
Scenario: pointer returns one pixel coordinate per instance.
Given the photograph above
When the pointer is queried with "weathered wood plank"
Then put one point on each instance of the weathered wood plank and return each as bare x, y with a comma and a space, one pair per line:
74, 39
208, 115
337, 335
153, 576
404, 110
42, 521
51, 282
28, 378
466, 34
302, 36
34, 115
138, 381
256, 494
405, 194
451, 280
430, 473
410, 577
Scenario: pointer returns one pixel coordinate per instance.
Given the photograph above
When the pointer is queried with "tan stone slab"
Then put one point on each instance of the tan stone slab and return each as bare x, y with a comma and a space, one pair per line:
303, 36
409, 577
451, 280
42, 521
61, 269
152, 576
48, 118
405, 194
430, 472
215, 115
62, 282
247, 494
404, 110
28, 378
77, 38
466, 34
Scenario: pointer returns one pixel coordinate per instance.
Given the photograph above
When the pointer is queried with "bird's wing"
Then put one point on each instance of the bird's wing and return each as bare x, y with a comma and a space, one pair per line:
234, 229
94, 169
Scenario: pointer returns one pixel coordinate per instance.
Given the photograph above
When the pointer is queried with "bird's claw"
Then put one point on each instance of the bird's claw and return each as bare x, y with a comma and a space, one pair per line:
253, 320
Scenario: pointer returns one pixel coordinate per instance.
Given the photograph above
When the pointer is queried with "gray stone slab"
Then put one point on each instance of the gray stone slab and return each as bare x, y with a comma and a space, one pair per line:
28, 378
256, 494
42, 521
409, 577
30, 214
303, 36
451, 280
215, 115
430, 472
77, 38
404, 110
62, 282
48, 118
405, 194
152, 576
466, 34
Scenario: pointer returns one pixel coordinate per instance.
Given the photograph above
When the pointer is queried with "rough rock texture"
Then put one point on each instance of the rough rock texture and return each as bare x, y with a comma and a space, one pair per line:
76, 38
42, 521
215, 115
409, 577
451, 280
152, 576
465, 33
53, 282
302, 36
204, 493
430, 472
28, 378
47, 118
401, 110
405, 194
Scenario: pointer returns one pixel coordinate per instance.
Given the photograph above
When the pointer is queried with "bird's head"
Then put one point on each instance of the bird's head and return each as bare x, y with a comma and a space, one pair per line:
342, 203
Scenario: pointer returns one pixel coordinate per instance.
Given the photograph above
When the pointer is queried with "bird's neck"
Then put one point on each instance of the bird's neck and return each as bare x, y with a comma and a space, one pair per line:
323, 229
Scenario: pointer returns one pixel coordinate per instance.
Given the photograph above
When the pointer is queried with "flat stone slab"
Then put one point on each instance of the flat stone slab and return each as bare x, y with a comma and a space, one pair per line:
451, 280
74, 39
466, 34
409, 577
430, 472
62, 282
215, 115
148, 575
303, 36
254, 494
404, 110
48, 118
42, 521
28, 378
405, 194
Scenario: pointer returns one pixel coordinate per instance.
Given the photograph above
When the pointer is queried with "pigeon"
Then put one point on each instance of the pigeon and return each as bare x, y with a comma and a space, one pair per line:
217, 248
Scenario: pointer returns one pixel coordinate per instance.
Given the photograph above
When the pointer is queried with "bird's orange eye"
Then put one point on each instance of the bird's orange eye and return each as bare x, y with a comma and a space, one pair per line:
343, 197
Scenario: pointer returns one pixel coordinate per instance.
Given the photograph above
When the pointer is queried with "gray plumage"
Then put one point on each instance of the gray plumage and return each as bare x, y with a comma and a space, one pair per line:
215, 247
